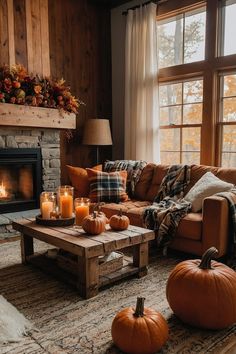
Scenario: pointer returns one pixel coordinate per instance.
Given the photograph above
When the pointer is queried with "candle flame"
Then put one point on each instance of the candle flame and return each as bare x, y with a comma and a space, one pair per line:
3, 192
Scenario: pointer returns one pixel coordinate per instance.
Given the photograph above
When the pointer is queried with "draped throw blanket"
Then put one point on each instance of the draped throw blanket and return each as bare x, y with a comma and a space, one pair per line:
169, 208
134, 169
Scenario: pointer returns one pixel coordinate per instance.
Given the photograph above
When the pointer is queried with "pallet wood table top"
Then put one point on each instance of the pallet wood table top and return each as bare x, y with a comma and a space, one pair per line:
76, 240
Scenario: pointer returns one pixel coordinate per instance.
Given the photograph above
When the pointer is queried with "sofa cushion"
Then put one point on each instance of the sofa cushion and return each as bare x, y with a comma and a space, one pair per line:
79, 179
131, 205
206, 186
190, 226
107, 187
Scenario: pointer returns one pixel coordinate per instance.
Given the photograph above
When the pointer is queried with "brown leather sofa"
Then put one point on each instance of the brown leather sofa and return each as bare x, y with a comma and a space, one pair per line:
196, 231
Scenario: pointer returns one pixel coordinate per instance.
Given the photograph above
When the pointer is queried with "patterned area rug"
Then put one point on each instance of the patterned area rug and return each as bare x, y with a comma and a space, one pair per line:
68, 324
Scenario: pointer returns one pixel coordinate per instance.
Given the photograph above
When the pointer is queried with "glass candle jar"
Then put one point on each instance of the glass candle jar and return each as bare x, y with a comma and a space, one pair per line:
81, 209
65, 201
47, 204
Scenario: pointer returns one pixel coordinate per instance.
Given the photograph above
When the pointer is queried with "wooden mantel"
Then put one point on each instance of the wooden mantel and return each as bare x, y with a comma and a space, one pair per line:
36, 117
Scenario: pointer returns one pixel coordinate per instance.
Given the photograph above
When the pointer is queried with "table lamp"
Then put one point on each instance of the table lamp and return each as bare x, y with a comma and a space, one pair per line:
97, 132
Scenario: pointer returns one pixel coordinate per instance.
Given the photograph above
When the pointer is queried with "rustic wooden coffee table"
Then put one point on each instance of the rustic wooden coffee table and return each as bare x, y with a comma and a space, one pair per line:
86, 250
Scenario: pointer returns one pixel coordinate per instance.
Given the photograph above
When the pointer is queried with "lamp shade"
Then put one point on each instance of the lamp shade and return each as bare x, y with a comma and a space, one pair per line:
97, 132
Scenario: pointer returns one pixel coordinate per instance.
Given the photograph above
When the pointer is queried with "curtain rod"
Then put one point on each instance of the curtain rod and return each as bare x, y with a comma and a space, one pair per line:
145, 3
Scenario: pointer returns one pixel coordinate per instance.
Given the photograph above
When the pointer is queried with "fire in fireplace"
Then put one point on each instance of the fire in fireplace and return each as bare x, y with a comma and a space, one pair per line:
20, 179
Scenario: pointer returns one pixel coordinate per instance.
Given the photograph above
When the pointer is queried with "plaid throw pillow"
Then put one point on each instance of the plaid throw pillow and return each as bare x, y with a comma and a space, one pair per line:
107, 187
133, 168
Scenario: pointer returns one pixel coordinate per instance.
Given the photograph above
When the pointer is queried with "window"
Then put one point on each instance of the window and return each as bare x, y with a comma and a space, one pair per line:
197, 81
182, 38
228, 120
229, 27
180, 121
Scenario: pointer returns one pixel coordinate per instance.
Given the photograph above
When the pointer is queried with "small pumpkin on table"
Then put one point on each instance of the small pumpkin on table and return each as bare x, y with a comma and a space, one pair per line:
119, 222
94, 224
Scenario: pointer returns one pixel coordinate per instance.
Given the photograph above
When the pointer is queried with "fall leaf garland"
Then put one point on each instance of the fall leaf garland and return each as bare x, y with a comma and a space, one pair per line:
18, 87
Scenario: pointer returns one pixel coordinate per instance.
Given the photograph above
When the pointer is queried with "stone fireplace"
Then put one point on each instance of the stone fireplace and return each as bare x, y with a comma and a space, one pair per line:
33, 129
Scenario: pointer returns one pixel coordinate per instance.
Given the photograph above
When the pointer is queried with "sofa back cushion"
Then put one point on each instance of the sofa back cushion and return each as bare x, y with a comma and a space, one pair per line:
225, 174
149, 181
79, 179
152, 175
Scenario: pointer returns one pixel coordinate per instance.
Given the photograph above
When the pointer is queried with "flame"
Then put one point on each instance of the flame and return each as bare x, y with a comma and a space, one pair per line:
3, 192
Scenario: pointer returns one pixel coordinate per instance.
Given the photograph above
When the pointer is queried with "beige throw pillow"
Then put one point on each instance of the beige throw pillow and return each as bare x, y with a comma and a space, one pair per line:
206, 186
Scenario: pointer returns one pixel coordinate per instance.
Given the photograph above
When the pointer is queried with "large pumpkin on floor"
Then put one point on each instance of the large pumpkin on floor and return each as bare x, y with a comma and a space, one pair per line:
202, 293
139, 331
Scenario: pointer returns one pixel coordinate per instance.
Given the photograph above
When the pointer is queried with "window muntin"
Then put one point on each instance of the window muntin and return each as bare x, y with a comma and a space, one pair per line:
228, 15
228, 119
180, 121
181, 39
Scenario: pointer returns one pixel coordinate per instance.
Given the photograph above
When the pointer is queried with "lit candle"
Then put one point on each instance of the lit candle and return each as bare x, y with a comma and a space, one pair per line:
47, 203
81, 211
66, 205
46, 209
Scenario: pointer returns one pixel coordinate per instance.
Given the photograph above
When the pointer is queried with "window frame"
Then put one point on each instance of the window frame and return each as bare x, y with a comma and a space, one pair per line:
182, 126
208, 69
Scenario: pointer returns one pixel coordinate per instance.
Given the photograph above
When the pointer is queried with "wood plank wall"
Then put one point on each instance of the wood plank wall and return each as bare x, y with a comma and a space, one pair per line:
69, 39
80, 51
24, 34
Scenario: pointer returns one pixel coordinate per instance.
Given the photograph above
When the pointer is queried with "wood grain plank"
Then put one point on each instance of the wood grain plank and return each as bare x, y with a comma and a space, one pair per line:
134, 237
20, 32
11, 30
34, 47
140, 258
4, 35
88, 277
27, 247
29, 36
44, 37
147, 234
26, 116
75, 245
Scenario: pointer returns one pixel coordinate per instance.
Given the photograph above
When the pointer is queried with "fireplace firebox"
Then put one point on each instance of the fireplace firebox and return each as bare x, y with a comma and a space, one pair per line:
20, 179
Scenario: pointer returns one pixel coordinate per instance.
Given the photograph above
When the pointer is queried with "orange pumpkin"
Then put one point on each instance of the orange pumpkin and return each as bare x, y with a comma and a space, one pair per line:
139, 331
93, 224
202, 293
119, 222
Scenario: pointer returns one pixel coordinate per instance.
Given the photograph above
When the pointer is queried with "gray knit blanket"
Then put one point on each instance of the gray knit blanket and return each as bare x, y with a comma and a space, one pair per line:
168, 207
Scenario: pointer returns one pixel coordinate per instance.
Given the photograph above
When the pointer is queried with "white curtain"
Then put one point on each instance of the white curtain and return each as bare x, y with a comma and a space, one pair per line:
141, 86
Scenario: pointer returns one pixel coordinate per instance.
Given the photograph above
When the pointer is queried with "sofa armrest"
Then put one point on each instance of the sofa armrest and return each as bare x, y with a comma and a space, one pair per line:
215, 217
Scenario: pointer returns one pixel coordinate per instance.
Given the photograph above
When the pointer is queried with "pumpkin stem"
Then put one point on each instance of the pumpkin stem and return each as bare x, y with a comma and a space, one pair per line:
207, 257
120, 212
139, 307
95, 214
